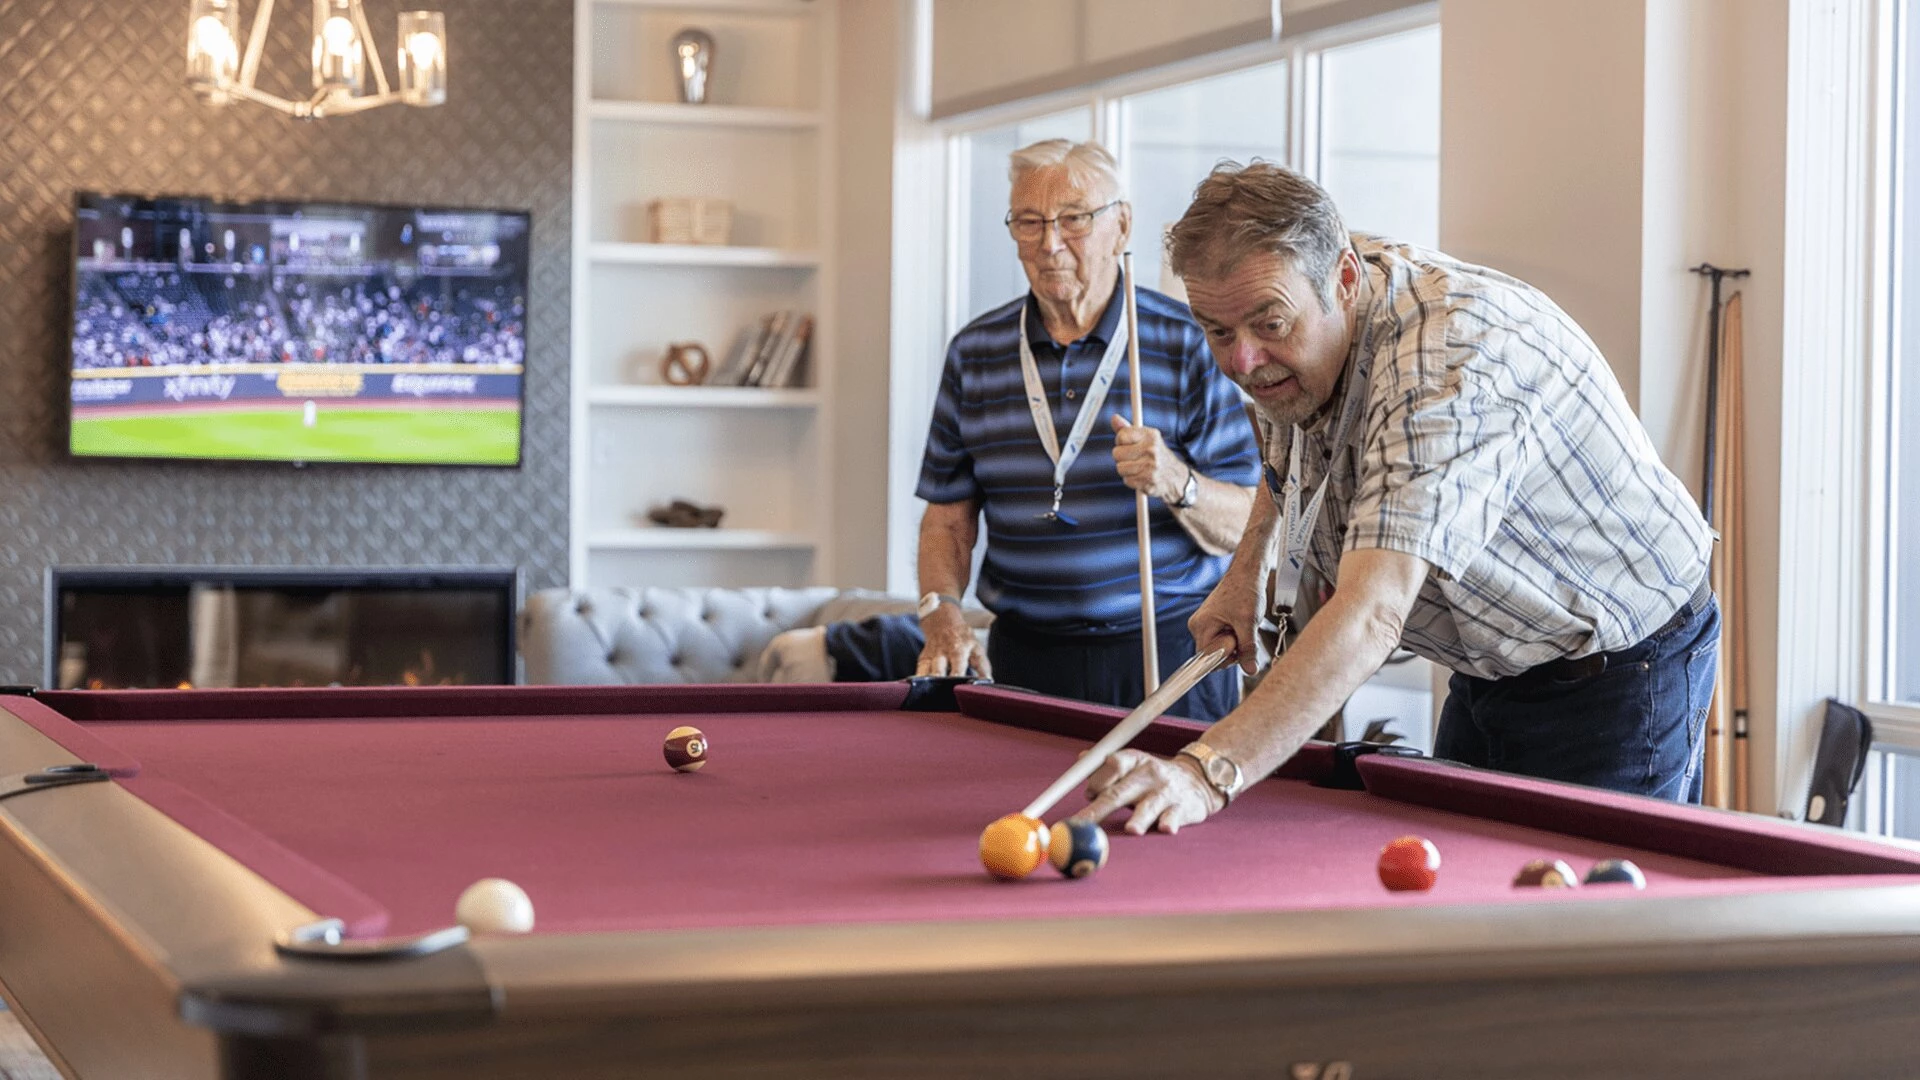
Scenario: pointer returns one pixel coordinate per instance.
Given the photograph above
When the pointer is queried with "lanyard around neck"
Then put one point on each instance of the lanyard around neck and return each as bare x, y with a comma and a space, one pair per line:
1063, 457
1296, 529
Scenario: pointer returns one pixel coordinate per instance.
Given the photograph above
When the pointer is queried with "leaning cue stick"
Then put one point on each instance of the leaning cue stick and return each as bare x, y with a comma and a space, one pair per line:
1157, 702
1718, 766
1149, 630
1734, 625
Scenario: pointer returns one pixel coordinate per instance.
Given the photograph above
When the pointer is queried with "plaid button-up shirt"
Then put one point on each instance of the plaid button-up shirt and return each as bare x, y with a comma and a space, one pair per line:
1497, 446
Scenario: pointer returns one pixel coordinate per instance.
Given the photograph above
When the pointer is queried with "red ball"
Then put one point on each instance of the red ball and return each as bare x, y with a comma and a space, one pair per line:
1409, 864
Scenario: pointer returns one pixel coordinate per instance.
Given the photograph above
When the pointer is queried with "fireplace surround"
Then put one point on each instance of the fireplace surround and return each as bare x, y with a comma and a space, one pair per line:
151, 627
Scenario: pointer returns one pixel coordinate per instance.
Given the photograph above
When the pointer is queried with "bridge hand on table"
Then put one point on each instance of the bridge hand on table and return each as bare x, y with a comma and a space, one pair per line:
1164, 794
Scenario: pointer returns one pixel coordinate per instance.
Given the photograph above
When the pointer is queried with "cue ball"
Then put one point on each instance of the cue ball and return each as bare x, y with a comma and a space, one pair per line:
1546, 874
1014, 846
1616, 872
494, 906
1409, 864
686, 749
1077, 848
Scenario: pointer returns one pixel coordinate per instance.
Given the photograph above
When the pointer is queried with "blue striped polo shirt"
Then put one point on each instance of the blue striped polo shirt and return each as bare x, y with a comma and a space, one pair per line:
982, 445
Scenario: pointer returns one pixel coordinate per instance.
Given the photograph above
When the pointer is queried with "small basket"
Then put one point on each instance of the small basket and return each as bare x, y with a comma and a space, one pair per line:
690, 221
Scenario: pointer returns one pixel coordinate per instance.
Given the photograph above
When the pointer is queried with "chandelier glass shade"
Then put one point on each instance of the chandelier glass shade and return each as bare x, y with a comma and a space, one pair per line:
343, 53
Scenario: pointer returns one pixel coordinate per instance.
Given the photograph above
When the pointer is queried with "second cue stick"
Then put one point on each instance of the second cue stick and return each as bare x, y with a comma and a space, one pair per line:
1149, 630
1130, 725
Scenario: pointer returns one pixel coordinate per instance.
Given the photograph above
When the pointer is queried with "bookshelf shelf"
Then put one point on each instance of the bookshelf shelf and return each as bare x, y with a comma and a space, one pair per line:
665, 539
720, 116
797, 8
702, 255
703, 397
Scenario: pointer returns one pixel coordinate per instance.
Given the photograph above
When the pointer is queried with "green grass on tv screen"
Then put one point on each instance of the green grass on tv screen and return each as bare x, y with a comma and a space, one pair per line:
406, 436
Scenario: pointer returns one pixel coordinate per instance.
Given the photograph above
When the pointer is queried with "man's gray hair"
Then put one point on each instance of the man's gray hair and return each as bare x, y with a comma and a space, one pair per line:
1239, 210
1087, 162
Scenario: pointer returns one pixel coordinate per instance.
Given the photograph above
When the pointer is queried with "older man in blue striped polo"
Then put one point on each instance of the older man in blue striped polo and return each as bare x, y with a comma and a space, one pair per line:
1055, 483
1448, 448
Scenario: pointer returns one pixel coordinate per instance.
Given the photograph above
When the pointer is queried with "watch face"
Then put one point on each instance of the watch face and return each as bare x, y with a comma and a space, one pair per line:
1220, 771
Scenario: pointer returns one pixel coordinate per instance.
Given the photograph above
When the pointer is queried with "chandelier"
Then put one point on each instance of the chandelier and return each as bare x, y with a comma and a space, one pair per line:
342, 51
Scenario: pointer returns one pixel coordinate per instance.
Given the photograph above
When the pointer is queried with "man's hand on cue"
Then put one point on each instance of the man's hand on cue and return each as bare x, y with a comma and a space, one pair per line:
1164, 794
1141, 457
951, 646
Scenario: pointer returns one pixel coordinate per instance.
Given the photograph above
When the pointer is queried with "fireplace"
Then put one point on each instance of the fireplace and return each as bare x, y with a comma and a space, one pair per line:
151, 627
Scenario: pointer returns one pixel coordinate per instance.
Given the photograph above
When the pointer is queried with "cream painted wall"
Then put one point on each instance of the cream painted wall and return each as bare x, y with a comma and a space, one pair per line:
1540, 154
868, 82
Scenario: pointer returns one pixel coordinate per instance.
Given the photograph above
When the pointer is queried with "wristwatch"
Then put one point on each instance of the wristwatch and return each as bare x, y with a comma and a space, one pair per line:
931, 602
1189, 494
1221, 771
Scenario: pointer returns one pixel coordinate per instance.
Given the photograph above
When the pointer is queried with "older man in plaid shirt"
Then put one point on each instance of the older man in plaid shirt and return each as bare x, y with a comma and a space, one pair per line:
1451, 451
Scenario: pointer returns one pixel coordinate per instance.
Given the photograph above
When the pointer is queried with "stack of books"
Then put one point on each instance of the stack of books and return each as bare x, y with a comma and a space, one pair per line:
771, 354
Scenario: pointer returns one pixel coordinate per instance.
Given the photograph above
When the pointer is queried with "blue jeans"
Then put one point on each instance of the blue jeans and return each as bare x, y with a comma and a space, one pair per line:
1630, 720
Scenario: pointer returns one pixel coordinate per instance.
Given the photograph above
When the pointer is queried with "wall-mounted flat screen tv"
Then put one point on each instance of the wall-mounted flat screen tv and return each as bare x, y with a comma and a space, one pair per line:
302, 332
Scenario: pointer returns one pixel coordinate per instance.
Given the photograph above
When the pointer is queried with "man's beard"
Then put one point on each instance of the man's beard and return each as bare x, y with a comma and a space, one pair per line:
1297, 409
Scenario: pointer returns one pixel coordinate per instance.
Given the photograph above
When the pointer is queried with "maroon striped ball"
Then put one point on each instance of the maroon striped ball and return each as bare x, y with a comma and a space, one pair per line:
686, 749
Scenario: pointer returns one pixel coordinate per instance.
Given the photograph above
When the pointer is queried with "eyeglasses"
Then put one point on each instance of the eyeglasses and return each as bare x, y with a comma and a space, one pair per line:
1072, 225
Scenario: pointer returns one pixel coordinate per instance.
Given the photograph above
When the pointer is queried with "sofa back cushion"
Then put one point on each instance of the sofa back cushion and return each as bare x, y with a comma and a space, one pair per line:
658, 635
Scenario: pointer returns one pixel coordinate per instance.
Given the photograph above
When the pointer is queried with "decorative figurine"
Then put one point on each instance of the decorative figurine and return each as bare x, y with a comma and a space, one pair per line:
687, 363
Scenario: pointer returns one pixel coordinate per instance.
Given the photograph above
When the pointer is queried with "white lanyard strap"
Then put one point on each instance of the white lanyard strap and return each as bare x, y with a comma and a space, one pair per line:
1063, 457
1296, 528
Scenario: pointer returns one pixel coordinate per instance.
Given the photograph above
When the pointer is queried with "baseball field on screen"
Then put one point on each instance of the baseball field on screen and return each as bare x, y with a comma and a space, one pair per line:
435, 434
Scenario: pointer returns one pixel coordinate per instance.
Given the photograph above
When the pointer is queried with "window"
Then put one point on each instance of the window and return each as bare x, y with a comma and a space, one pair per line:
1888, 801
1174, 136
1901, 385
1901, 486
1380, 134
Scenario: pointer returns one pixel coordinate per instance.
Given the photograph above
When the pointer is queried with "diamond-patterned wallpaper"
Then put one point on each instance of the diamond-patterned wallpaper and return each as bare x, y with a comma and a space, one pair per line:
93, 96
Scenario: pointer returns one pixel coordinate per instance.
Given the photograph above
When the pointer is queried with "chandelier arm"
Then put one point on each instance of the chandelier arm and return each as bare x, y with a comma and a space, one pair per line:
373, 50
340, 106
256, 44
261, 97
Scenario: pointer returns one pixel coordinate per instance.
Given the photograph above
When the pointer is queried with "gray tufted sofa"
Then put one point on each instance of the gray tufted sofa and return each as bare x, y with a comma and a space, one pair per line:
667, 635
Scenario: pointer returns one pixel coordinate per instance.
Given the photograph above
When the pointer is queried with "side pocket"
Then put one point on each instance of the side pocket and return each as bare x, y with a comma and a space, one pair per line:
1703, 672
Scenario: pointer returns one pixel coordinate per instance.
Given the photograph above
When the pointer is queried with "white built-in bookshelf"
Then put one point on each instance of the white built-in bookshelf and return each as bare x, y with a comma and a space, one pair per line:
764, 142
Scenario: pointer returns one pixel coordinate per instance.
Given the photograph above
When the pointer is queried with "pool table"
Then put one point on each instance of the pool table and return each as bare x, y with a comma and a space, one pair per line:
811, 902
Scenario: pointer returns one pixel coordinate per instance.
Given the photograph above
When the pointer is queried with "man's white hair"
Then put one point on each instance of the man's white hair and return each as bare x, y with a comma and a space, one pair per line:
1088, 163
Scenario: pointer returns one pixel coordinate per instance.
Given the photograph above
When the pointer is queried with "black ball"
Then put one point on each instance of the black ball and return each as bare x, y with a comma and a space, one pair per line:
1616, 872
1077, 848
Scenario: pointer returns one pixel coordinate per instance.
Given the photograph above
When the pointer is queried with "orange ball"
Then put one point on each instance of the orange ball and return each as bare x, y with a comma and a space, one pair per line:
1014, 846
1409, 864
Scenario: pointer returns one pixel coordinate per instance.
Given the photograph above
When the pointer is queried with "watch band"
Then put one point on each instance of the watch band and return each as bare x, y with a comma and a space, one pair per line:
1221, 772
1189, 492
931, 602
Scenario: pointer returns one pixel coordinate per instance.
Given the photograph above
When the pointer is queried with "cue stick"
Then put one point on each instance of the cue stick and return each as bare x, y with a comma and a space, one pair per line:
1717, 767
1735, 621
1177, 684
1149, 629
